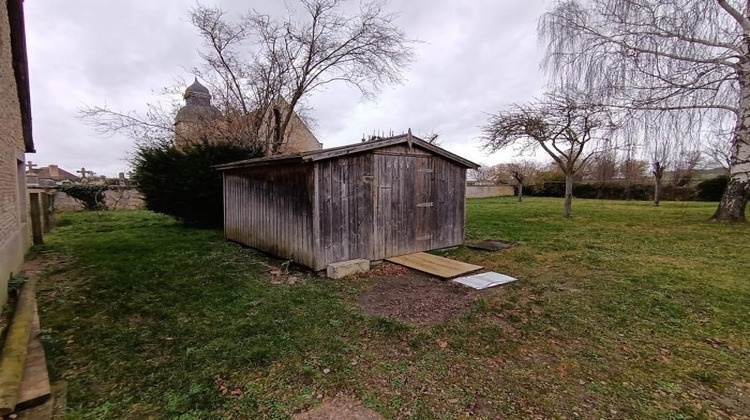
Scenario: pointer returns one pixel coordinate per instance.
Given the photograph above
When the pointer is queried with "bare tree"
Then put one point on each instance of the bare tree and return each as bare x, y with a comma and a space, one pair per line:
679, 60
485, 173
661, 152
564, 126
261, 68
296, 55
520, 172
686, 164
431, 137
631, 169
155, 127
604, 164
718, 151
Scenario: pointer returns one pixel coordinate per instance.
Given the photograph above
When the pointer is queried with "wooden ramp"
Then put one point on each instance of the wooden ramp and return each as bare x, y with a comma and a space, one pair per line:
437, 266
35, 386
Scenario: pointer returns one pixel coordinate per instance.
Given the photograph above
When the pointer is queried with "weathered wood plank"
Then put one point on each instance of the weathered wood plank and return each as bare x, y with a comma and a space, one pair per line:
15, 348
35, 386
269, 209
435, 265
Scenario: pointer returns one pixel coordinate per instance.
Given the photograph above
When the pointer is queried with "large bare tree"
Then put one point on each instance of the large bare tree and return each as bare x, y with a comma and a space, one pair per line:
259, 58
262, 67
687, 61
562, 124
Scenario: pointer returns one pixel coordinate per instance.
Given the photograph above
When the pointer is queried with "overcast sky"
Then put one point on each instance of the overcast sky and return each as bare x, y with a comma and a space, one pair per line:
476, 57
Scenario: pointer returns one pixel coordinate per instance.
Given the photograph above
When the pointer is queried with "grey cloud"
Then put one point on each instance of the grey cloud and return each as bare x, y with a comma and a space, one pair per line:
475, 57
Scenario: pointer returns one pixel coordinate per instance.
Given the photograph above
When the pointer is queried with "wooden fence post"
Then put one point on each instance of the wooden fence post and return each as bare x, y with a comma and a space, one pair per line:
46, 219
36, 218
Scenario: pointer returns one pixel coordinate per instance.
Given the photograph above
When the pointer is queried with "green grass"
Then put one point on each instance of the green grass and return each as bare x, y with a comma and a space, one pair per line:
623, 311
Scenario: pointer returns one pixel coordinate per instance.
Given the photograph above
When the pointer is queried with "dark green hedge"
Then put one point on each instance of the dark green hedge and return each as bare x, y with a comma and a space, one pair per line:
709, 190
712, 189
183, 183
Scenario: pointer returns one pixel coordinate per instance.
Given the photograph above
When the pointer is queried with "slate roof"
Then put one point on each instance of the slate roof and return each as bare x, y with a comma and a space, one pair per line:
62, 174
197, 105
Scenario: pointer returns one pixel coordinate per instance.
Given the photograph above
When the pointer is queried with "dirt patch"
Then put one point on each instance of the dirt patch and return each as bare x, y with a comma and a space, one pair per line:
400, 293
339, 408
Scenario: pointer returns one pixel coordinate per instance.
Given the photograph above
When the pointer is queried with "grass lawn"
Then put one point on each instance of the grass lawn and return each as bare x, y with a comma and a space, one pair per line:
624, 311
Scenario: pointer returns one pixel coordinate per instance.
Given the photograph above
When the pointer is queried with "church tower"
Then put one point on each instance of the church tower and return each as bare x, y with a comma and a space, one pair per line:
193, 118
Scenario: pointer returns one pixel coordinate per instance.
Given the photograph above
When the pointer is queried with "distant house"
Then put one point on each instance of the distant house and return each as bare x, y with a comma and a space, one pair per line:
50, 175
370, 200
200, 121
15, 141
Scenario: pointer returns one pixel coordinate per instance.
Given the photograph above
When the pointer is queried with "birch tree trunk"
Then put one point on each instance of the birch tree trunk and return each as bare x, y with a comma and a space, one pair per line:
733, 202
568, 195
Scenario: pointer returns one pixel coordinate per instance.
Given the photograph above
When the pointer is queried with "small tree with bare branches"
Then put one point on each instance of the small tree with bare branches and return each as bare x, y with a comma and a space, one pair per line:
519, 172
562, 124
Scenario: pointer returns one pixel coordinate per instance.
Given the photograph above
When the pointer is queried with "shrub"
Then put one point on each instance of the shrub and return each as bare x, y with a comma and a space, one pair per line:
712, 189
92, 197
183, 183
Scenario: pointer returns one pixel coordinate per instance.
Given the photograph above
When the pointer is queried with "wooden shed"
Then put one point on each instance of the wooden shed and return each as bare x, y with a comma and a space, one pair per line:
371, 200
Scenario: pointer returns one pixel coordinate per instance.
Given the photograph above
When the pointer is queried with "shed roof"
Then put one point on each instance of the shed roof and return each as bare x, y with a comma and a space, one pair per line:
316, 155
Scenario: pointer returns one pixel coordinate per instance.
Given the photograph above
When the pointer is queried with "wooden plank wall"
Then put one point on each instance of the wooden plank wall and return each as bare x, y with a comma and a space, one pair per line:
270, 208
450, 203
345, 188
419, 203
372, 205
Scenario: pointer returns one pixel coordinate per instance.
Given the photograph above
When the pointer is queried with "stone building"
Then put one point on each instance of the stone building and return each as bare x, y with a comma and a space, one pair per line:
200, 121
15, 141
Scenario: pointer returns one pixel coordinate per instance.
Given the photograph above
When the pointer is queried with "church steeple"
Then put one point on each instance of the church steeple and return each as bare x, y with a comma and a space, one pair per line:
197, 94
196, 113
198, 106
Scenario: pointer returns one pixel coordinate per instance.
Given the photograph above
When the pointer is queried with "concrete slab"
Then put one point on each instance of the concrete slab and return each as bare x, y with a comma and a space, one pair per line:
347, 268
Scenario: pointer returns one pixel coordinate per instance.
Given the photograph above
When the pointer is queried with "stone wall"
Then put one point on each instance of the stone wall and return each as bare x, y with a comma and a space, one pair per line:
14, 230
484, 191
117, 198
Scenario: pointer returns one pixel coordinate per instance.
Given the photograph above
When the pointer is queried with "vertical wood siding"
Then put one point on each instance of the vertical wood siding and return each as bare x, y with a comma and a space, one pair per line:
373, 205
345, 187
419, 202
270, 208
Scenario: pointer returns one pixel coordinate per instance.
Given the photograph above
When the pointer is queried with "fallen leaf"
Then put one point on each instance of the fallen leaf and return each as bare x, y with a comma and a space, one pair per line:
441, 343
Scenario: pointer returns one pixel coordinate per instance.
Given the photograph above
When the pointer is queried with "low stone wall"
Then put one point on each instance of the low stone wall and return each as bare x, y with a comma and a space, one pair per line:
484, 191
117, 198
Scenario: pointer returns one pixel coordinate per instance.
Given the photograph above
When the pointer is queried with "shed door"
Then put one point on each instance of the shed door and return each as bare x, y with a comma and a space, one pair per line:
404, 210
425, 206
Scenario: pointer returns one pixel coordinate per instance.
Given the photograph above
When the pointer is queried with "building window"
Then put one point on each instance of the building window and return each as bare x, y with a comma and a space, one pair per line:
277, 126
